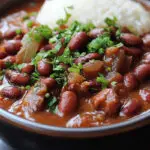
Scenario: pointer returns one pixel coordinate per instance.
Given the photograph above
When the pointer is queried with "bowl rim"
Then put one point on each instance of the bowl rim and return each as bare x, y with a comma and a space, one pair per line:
48, 130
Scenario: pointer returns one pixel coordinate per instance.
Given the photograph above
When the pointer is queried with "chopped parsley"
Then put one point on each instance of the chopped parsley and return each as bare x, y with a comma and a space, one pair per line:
41, 32
66, 58
35, 76
76, 68
100, 44
28, 87
103, 81
65, 20
1, 75
52, 105
29, 23
113, 83
18, 31
111, 22
59, 74
42, 55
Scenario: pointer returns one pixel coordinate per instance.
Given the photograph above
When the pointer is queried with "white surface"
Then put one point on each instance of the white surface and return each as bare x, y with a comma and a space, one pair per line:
129, 13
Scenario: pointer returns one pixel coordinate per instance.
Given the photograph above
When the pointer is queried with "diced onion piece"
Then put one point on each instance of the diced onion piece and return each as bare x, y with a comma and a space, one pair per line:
29, 48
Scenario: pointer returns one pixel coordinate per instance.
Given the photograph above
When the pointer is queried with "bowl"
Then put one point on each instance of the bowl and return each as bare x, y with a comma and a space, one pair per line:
12, 120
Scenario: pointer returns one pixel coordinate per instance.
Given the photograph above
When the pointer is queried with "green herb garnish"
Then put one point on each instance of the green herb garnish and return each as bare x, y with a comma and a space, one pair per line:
65, 20
76, 68
52, 105
41, 32
103, 81
100, 44
111, 22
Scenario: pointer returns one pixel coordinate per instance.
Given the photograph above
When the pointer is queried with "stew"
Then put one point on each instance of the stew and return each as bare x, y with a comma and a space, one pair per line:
76, 76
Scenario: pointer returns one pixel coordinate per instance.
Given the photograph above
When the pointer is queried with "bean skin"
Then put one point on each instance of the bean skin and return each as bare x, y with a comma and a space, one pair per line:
49, 82
146, 40
87, 57
12, 46
78, 41
146, 58
11, 92
9, 34
3, 54
2, 64
145, 95
44, 68
131, 107
95, 33
10, 59
130, 81
131, 39
17, 78
142, 71
28, 68
133, 51
68, 103
46, 47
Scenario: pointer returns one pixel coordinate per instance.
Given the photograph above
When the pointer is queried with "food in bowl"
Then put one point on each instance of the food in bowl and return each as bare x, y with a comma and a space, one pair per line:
73, 73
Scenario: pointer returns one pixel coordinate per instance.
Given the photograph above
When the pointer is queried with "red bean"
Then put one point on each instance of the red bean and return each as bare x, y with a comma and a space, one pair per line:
131, 107
9, 34
87, 57
145, 95
130, 81
146, 58
11, 92
44, 68
78, 41
142, 71
133, 51
95, 33
61, 51
28, 68
11, 59
49, 82
17, 78
12, 46
64, 66
131, 39
68, 103
46, 47
146, 40
3, 54
2, 64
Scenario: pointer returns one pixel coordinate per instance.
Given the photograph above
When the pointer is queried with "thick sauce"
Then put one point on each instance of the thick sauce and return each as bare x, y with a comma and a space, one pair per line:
133, 99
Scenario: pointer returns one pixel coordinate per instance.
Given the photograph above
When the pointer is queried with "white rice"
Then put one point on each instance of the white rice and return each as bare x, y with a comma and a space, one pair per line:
128, 13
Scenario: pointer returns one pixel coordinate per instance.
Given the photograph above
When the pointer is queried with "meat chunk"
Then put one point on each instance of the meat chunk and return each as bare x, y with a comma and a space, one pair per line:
92, 68
89, 119
33, 100
145, 94
106, 100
